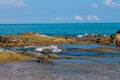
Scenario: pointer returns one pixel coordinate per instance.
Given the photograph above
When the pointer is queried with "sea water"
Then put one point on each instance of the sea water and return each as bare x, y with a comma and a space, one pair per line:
69, 29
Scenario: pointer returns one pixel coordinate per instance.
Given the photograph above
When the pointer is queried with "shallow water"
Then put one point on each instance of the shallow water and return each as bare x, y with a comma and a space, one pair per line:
62, 70
88, 66
91, 54
69, 46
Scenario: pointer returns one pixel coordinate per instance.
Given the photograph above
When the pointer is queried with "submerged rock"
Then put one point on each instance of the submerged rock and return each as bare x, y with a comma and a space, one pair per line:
49, 57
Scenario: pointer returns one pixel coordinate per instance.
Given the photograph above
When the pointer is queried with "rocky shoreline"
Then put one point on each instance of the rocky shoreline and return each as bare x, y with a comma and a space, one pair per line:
35, 39
33, 56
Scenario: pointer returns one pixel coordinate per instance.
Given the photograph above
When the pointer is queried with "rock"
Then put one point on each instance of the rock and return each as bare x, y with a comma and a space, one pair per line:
35, 39
115, 38
47, 58
1, 38
118, 31
46, 51
6, 57
50, 56
106, 40
96, 39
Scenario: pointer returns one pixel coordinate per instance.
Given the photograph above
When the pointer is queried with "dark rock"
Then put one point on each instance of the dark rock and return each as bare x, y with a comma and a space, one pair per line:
118, 31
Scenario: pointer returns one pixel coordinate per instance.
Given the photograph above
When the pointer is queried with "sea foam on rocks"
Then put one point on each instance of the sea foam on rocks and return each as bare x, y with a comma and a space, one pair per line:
53, 48
33, 49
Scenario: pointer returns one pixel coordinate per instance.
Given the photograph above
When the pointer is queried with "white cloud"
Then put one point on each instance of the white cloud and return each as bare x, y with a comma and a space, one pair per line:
59, 19
79, 18
16, 3
107, 2
91, 18
112, 3
95, 5
96, 18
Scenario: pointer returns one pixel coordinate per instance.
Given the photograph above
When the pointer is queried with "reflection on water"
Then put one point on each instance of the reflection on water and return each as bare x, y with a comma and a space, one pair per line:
92, 54
69, 46
92, 57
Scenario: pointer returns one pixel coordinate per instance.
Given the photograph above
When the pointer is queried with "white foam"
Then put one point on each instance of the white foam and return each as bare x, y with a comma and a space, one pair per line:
39, 49
86, 34
38, 54
80, 36
29, 46
1, 49
105, 35
53, 48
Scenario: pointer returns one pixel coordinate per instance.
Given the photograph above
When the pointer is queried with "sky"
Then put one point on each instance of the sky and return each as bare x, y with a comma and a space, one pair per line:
59, 11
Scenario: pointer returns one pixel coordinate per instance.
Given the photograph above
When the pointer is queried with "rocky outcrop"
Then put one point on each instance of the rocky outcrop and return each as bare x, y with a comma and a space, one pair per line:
115, 38
6, 57
36, 39
49, 57
33, 39
96, 39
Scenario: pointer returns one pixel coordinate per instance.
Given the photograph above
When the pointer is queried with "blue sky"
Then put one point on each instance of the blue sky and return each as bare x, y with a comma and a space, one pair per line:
59, 11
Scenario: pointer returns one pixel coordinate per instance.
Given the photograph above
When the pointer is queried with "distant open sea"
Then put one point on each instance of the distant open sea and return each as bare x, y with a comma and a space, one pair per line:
61, 29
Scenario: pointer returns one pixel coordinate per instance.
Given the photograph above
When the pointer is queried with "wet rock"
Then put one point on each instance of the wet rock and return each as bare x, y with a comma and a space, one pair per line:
46, 51
6, 57
48, 58
95, 38
104, 40
12, 41
115, 38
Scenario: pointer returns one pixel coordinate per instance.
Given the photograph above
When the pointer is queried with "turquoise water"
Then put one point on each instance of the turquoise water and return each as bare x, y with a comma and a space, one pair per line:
61, 29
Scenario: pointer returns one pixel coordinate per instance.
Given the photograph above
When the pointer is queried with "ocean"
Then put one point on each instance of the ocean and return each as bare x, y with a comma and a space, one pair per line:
68, 29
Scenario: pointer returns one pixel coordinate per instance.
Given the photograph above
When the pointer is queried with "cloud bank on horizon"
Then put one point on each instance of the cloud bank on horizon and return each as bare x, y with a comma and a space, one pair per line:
59, 11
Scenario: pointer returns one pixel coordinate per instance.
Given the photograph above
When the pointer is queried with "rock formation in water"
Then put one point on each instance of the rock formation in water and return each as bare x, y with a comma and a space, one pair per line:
36, 39
116, 38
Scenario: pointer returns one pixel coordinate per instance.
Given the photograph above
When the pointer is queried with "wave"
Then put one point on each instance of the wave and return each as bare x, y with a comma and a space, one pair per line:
53, 48
80, 36
32, 49
86, 34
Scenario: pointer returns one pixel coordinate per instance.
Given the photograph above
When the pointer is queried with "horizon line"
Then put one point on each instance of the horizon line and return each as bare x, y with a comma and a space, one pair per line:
62, 23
